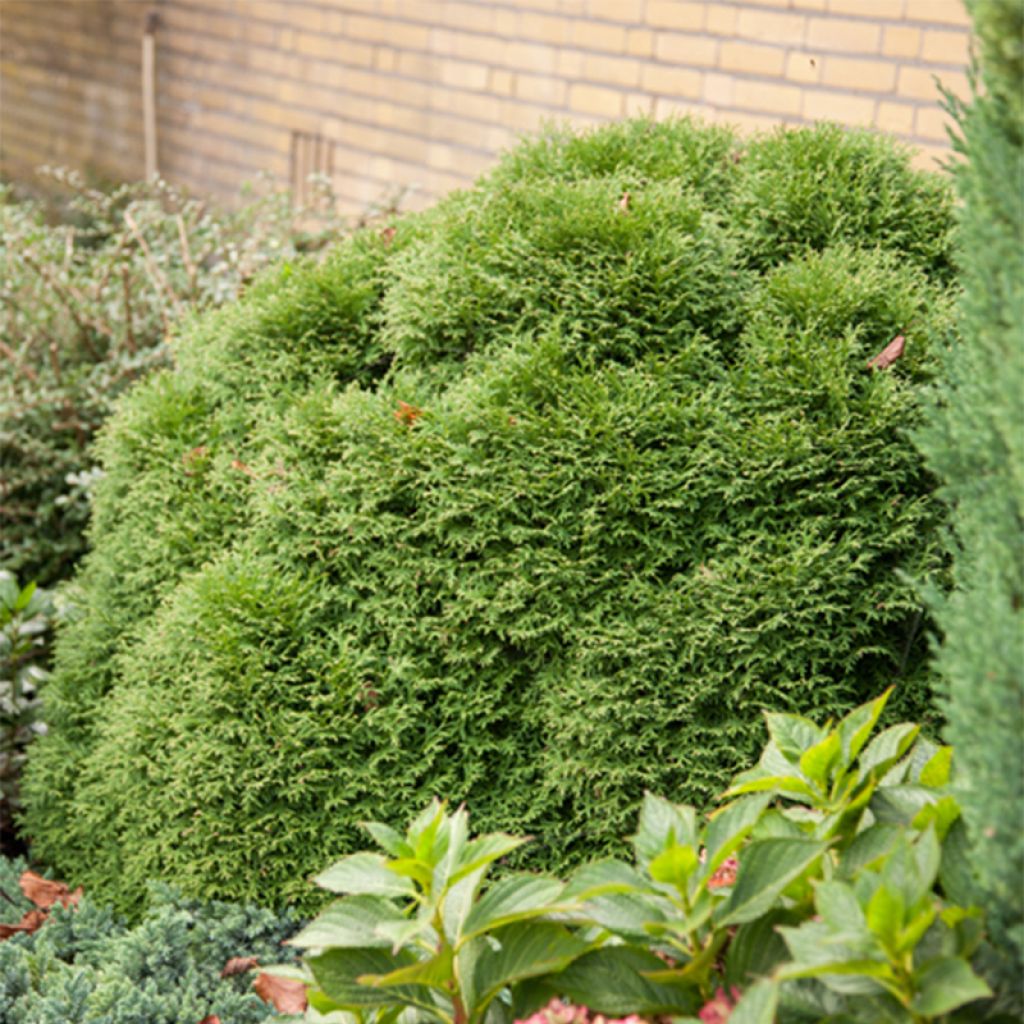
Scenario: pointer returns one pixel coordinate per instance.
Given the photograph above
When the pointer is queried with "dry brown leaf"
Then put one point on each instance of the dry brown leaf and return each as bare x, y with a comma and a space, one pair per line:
387, 235
243, 468
284, 994
44, 893
407, 414
624, 203
239, 965
888, 355
29, 923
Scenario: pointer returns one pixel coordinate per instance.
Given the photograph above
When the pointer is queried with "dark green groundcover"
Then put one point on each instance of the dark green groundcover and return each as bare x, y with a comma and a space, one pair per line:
534, 502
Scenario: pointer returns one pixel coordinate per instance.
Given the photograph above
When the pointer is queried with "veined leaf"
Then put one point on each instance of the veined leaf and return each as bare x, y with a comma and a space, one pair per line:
603, 877
792, 734
727, 829
483, 851
766, 868
886, 749
858, 725
662, 824
611, 981
937, 770
435, 972
514, 898
885, 915
816, 762
945, 984
524, 950
838, 905
388, 839
674, 866
350, 923
757, 1005
337, 970
366, 874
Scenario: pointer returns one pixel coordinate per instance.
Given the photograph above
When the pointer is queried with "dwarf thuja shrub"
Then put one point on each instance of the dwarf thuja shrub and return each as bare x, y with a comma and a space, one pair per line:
534, 502
85, 964
974, 441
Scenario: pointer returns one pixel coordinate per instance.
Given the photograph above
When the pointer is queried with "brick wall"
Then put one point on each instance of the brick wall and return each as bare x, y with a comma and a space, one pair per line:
424, 93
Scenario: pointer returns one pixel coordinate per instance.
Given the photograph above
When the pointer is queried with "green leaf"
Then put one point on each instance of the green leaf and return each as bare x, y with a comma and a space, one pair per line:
816, 762
899, 805
633, 916
336, 971
944, 984
767, 866
364, 873
387, 838
603, 877
838, 905
756, 949
867, 848
21, 602
793, 734
674, 866
435, 972
886, 749
662, 824
350, 923
858, 725
885, 915
514, 898
728, 827
524, 950
936, 772
483, 851
757, 1005
610, 981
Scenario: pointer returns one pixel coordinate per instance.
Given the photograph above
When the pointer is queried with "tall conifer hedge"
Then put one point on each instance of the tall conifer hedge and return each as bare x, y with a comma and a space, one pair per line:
535, 501
975, 443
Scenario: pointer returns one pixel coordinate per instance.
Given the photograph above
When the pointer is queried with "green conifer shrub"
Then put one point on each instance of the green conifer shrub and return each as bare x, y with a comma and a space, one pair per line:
535, 502
974, 442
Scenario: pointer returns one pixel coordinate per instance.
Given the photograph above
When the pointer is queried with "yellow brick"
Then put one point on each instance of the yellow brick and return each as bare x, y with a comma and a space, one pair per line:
776, 99
751, 58
943, 47
834, 106
611, 70
640, 42
843, 35
803, 67
901, 41
616, 10
919, 83
721, 21
666, 108
464, 74
747, 123
639, 104
540, 89
931, 122
895, 117
592, 99
545, 29
882, 9
718, 89
533, 57
385, 59
771, 27
502, 82
930, 158
592, 35
944, 12
675, 14
672, 81
686, 49
470, 17
866, 75
570, 63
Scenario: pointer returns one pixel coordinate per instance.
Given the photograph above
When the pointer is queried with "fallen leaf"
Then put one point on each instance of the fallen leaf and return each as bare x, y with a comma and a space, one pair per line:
243, 468
624, 203
29, 923
239, 965
888, 355
284, 994
387, 235
407, 414
44, 893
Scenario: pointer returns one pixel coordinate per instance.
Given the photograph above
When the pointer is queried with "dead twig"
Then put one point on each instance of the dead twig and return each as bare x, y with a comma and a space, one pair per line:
129, 332
155, 273
26, 371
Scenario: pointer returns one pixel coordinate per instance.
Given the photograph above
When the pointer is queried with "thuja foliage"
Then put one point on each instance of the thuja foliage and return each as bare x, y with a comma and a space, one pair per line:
535, 500
974, 441
91, 290
87, 965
